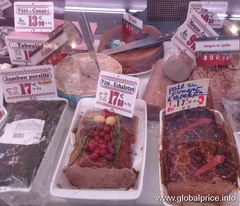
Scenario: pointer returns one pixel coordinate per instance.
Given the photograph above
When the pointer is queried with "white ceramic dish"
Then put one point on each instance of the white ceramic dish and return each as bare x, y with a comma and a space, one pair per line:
42, 173
61, 187
163, 189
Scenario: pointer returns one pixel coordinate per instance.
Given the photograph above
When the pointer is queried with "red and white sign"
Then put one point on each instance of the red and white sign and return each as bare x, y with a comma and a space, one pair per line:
117, 93
28, 83
19, 48
33, 16
133, 20
210, 11
4, 4
193, 27
186, 95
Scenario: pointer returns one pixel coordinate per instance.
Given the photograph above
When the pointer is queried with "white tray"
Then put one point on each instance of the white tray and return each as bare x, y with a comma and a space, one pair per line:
163, 189
61, 187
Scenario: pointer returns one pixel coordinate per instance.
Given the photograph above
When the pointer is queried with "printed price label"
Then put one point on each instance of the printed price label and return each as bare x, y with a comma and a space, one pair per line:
33, 16
216, 52
133, 26
23, 132
186, 95
19, 48
4, 4
193, 27
117, 93
28, 83
209, 11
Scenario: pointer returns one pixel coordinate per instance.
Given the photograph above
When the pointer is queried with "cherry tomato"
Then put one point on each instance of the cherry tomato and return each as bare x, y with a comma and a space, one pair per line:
103, 152
109, 157
107, 129
94, 156
107, 137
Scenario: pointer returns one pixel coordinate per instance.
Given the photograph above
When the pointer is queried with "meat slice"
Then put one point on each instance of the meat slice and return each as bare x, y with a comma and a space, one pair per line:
101, 177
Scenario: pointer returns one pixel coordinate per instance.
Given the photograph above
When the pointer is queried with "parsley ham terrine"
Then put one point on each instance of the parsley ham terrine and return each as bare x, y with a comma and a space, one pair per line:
198, 154
102, 156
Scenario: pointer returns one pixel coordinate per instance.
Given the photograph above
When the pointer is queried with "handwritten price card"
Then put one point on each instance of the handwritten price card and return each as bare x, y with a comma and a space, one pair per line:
28, 83
186, 95
19, 48
117, 93
33, 16
193, 27
209, 11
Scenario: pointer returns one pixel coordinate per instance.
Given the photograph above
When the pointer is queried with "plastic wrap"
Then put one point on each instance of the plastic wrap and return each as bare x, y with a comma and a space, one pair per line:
104, 156
198, 158
20, 163
177, 65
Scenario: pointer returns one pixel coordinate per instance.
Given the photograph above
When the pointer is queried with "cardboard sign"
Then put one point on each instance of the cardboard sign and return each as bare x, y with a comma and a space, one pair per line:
209, 11
186, 95
4, 4
33, 16
19, 48
28, 83
133, 20
193, 27
23, 132
117, 93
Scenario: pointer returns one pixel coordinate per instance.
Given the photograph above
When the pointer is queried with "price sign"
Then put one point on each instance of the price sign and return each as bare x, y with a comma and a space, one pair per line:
209, 11
186, 95
133, 26
19, 48
217, 51
193, 27
4, 4
33, 16
117, 93
28, 83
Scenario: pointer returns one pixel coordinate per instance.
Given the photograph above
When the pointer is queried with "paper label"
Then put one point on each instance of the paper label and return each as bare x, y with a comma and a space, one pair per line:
213, 59
225, 45
210, 11
4, 4
117, 93
33, 16
186, 95
193, 27
28, 83
58, 39
19, 48
23, 132
133, 20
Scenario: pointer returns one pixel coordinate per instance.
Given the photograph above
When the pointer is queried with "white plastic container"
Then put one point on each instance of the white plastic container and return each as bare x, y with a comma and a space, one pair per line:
163, 189
61, 187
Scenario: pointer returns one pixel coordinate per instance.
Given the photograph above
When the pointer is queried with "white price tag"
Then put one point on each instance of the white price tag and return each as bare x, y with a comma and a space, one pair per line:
19, 48
186, 95
4, 4
224, 45
193, 27
133, 20
210, 11
23, 132
28, 83
33, 16
117, 93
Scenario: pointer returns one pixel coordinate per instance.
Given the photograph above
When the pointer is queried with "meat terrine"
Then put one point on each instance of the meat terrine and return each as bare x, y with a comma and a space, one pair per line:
198, 154
102, 156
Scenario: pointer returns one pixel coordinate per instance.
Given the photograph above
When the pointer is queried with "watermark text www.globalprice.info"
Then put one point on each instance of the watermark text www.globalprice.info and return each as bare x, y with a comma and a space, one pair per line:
197, 198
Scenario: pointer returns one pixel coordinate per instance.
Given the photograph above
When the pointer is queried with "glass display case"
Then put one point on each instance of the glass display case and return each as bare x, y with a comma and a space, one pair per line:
176, 142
